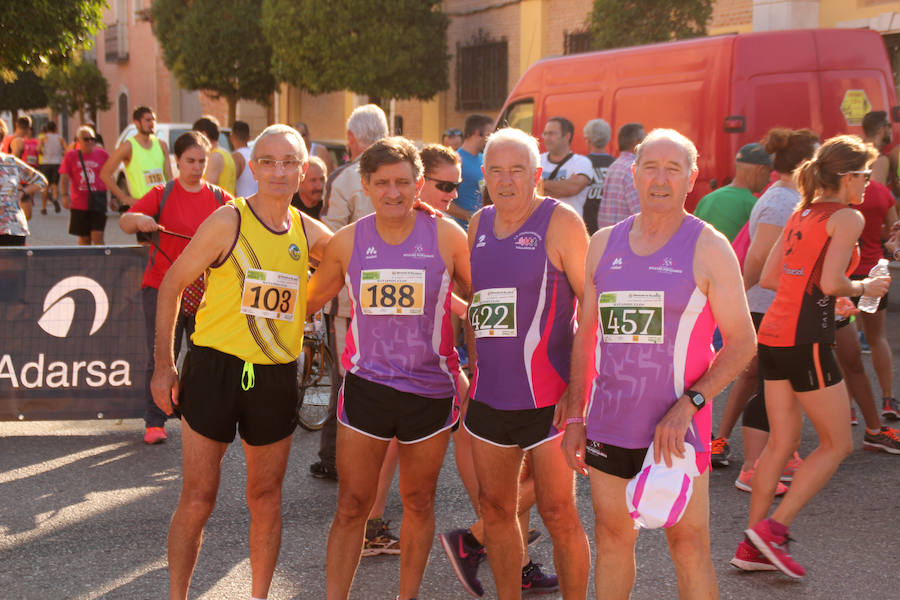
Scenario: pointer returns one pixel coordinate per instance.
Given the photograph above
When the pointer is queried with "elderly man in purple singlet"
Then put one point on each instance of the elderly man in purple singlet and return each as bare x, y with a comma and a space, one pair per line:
527, 270
400, 265
660, 281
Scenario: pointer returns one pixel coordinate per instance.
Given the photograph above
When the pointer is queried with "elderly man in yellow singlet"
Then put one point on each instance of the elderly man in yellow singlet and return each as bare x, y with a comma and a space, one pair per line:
241, 373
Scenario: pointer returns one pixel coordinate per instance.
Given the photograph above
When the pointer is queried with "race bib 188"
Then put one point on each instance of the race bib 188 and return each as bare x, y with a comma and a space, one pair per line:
631, 317
392, 291
493, 312
270, 294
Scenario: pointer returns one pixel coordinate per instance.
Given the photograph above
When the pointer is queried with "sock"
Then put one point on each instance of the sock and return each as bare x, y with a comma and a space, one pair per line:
527, 569
255, 598
471, 541
777, 528
373, 526
873, 431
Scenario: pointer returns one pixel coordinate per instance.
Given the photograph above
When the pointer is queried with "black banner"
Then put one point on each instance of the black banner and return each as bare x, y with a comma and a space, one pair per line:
72, 335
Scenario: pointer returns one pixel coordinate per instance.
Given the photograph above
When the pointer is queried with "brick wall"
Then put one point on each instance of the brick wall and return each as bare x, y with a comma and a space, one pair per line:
730, 13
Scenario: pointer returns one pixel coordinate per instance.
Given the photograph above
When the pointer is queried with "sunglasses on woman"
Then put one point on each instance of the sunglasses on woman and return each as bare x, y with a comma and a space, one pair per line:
444, 186
865, 174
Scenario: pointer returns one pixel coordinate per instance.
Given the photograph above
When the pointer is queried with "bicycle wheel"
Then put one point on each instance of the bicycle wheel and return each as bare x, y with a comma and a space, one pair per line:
314, 379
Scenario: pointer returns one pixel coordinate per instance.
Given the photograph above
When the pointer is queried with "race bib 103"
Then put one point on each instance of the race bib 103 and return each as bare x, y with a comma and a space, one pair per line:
270, 294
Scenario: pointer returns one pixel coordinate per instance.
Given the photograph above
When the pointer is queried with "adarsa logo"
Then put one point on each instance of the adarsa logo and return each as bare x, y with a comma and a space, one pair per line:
59, 374
59, 307
59, 313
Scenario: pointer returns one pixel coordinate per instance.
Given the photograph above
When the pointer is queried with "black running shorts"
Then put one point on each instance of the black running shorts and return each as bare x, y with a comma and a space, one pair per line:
382, 412
614, 460
808, 367
83, 222
526, 428
212, 399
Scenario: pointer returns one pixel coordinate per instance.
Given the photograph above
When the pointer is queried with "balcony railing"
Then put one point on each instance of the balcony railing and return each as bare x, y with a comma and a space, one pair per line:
116, 35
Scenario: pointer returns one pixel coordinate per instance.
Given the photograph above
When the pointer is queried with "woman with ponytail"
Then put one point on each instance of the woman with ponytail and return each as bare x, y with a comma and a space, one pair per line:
808, 268
788, 148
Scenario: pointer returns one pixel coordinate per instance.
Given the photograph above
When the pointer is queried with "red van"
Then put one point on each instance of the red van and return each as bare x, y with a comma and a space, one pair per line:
722, 92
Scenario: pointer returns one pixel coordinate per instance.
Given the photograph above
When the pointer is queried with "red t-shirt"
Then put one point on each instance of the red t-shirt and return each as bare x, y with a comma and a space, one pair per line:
71, 166
183, 213
876, 204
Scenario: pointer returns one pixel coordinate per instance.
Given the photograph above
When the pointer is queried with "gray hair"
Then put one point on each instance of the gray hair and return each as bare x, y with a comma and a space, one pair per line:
280, 129
511, 135
673, 136
597, 132
368, 124
313, 159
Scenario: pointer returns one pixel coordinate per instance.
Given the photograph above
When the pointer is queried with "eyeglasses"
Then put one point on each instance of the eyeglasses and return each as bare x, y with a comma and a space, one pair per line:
445, 186
290, 164
453, 132
865, 174
88, 139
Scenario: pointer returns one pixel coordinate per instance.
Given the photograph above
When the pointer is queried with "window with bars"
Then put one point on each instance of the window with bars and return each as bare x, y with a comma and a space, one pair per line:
578, 41
481, 74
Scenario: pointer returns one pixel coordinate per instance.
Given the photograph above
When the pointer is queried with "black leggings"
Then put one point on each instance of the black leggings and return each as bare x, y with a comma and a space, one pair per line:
755, 415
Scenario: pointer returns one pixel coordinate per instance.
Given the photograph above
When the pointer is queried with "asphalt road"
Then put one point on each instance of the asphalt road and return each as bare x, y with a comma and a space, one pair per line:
85, 506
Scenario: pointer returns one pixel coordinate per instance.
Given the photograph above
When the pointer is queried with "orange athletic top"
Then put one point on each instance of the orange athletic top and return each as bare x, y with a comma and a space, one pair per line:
801, 312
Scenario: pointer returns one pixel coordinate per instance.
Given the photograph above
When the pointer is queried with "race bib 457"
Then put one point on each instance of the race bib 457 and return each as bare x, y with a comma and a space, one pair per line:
631, 317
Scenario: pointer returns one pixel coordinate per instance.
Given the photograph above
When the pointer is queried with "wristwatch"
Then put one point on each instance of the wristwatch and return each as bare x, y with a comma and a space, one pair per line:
696, 399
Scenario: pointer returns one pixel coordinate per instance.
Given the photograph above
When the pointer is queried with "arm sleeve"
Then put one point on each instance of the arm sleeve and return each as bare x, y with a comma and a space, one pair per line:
338, 207
583, 166
29, 176
149, 202
631, 194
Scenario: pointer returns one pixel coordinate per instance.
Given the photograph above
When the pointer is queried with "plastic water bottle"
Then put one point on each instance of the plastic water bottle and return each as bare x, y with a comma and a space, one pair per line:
869, 304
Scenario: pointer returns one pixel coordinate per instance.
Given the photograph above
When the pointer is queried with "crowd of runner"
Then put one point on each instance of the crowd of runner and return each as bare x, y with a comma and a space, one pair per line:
589, 355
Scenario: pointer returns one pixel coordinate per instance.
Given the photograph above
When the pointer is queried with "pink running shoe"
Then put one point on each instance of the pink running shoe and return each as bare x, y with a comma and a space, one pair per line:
775, 547
154, 435
748, 558
792, 465
744, 482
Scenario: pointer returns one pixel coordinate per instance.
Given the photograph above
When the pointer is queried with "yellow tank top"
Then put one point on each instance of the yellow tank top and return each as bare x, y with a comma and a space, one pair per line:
258, 293
145, 169
227, 178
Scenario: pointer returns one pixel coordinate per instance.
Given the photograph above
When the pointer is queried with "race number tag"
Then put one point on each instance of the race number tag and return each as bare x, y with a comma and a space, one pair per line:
493, 312
154, 177
631, 317
392, 291
270, 294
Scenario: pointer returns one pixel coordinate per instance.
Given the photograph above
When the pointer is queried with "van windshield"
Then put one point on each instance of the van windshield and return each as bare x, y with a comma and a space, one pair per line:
519, 115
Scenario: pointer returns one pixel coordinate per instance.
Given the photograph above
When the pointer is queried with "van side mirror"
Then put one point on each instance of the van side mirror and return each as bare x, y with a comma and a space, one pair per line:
736, 124
895, 114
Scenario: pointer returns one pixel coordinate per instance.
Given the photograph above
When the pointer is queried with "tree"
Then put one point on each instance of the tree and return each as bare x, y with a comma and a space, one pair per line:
618, 23
77, 88
27, 91
37, 32
380, 48
217, 46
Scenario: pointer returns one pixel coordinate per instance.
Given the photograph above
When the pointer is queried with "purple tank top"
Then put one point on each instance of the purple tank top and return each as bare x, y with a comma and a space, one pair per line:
654, 338
523, 314
400, 333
